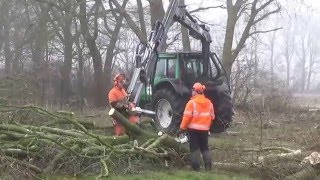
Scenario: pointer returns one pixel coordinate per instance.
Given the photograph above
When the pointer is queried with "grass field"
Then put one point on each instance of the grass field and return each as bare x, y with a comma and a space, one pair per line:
165, 175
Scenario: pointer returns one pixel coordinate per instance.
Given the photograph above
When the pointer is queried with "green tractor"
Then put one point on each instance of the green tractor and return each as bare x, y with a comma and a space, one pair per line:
171, 84
162, 82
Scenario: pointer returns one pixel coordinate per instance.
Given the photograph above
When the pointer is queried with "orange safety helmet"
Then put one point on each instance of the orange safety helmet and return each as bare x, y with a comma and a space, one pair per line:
198, 87
119, 78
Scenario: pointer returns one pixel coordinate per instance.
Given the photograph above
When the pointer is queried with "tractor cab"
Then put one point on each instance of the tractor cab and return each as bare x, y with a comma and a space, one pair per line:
187, 67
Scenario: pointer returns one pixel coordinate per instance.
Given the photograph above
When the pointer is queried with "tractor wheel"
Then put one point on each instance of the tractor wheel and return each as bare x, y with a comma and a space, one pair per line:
168, 107
224, 112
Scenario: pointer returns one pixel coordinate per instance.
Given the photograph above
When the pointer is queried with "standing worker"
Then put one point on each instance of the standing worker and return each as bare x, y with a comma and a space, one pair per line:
118, 100
197, 119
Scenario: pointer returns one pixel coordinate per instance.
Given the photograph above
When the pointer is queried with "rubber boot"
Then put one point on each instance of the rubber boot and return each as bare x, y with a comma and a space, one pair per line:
207, 159
195, 160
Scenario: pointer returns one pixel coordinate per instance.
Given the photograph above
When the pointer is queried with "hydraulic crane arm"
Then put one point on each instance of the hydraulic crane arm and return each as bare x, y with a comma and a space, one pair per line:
146, 54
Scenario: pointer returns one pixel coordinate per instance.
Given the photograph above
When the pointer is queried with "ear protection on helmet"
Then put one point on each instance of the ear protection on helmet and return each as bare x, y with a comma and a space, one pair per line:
117, 78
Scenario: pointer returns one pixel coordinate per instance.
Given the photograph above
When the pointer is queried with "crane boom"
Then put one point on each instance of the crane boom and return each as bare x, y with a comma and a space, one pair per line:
146, 53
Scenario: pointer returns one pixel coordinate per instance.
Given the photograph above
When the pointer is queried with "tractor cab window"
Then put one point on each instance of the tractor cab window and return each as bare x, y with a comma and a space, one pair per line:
161, 67
160, 70
166, 68
213, 71
192, 68
171, 72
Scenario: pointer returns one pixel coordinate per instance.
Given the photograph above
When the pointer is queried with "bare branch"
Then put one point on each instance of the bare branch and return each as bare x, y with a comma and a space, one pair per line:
203, 22
264, 5
265, 31
243, 10
266, 15
56, 28
131, 23
206, 8
51, 4
174, 39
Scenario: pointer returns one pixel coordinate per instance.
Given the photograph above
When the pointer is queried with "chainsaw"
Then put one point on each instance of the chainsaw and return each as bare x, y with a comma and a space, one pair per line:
145, 111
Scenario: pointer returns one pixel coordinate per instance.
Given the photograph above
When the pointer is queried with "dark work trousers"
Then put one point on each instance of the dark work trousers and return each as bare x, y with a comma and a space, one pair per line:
199, 143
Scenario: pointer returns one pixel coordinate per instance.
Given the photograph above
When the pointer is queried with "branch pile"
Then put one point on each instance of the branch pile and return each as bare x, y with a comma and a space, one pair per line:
61, 144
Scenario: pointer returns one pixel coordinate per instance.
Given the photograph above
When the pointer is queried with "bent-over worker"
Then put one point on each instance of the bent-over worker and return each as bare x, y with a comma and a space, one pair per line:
118, 100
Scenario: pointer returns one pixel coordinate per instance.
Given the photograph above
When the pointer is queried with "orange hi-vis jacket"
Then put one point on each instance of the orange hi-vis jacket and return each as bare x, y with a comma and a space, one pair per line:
117, 94
198, 114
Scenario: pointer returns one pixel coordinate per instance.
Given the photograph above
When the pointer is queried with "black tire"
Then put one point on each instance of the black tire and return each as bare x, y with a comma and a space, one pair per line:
224, 112
167, 120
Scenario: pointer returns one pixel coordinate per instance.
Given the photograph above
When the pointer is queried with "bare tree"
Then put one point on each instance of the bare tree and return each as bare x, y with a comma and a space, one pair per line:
313, 46
302, 55
135, 28
255, 12
288, 50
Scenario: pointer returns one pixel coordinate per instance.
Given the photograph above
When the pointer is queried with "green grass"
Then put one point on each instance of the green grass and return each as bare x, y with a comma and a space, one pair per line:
165, 175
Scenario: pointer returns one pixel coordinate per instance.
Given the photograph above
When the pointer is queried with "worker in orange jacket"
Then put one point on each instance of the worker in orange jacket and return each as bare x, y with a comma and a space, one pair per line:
118, 100
197, 119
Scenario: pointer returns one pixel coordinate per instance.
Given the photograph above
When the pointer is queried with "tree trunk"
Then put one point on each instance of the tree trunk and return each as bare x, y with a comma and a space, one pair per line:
227, 58
7, 49
185, 37
303, 64
6, 36
2, 20
80, 71
18, 45
256, 64
99, 88
141, 17
272, 60
68, 43
288, 52
156, 11
157, 14
312, 56
40, 38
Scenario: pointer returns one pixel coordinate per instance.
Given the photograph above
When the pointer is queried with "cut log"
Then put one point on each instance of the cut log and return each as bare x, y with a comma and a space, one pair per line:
132, 128
139, 133
270, 158
309, 172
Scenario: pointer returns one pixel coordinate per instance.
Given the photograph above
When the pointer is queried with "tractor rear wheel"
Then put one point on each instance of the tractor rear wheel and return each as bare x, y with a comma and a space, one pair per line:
168, 106
224, 112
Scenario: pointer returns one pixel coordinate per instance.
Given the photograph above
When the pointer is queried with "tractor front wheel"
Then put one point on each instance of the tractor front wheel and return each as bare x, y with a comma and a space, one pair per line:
168, 106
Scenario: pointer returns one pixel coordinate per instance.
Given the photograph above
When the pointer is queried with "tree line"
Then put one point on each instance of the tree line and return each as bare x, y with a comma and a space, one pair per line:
72, 48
